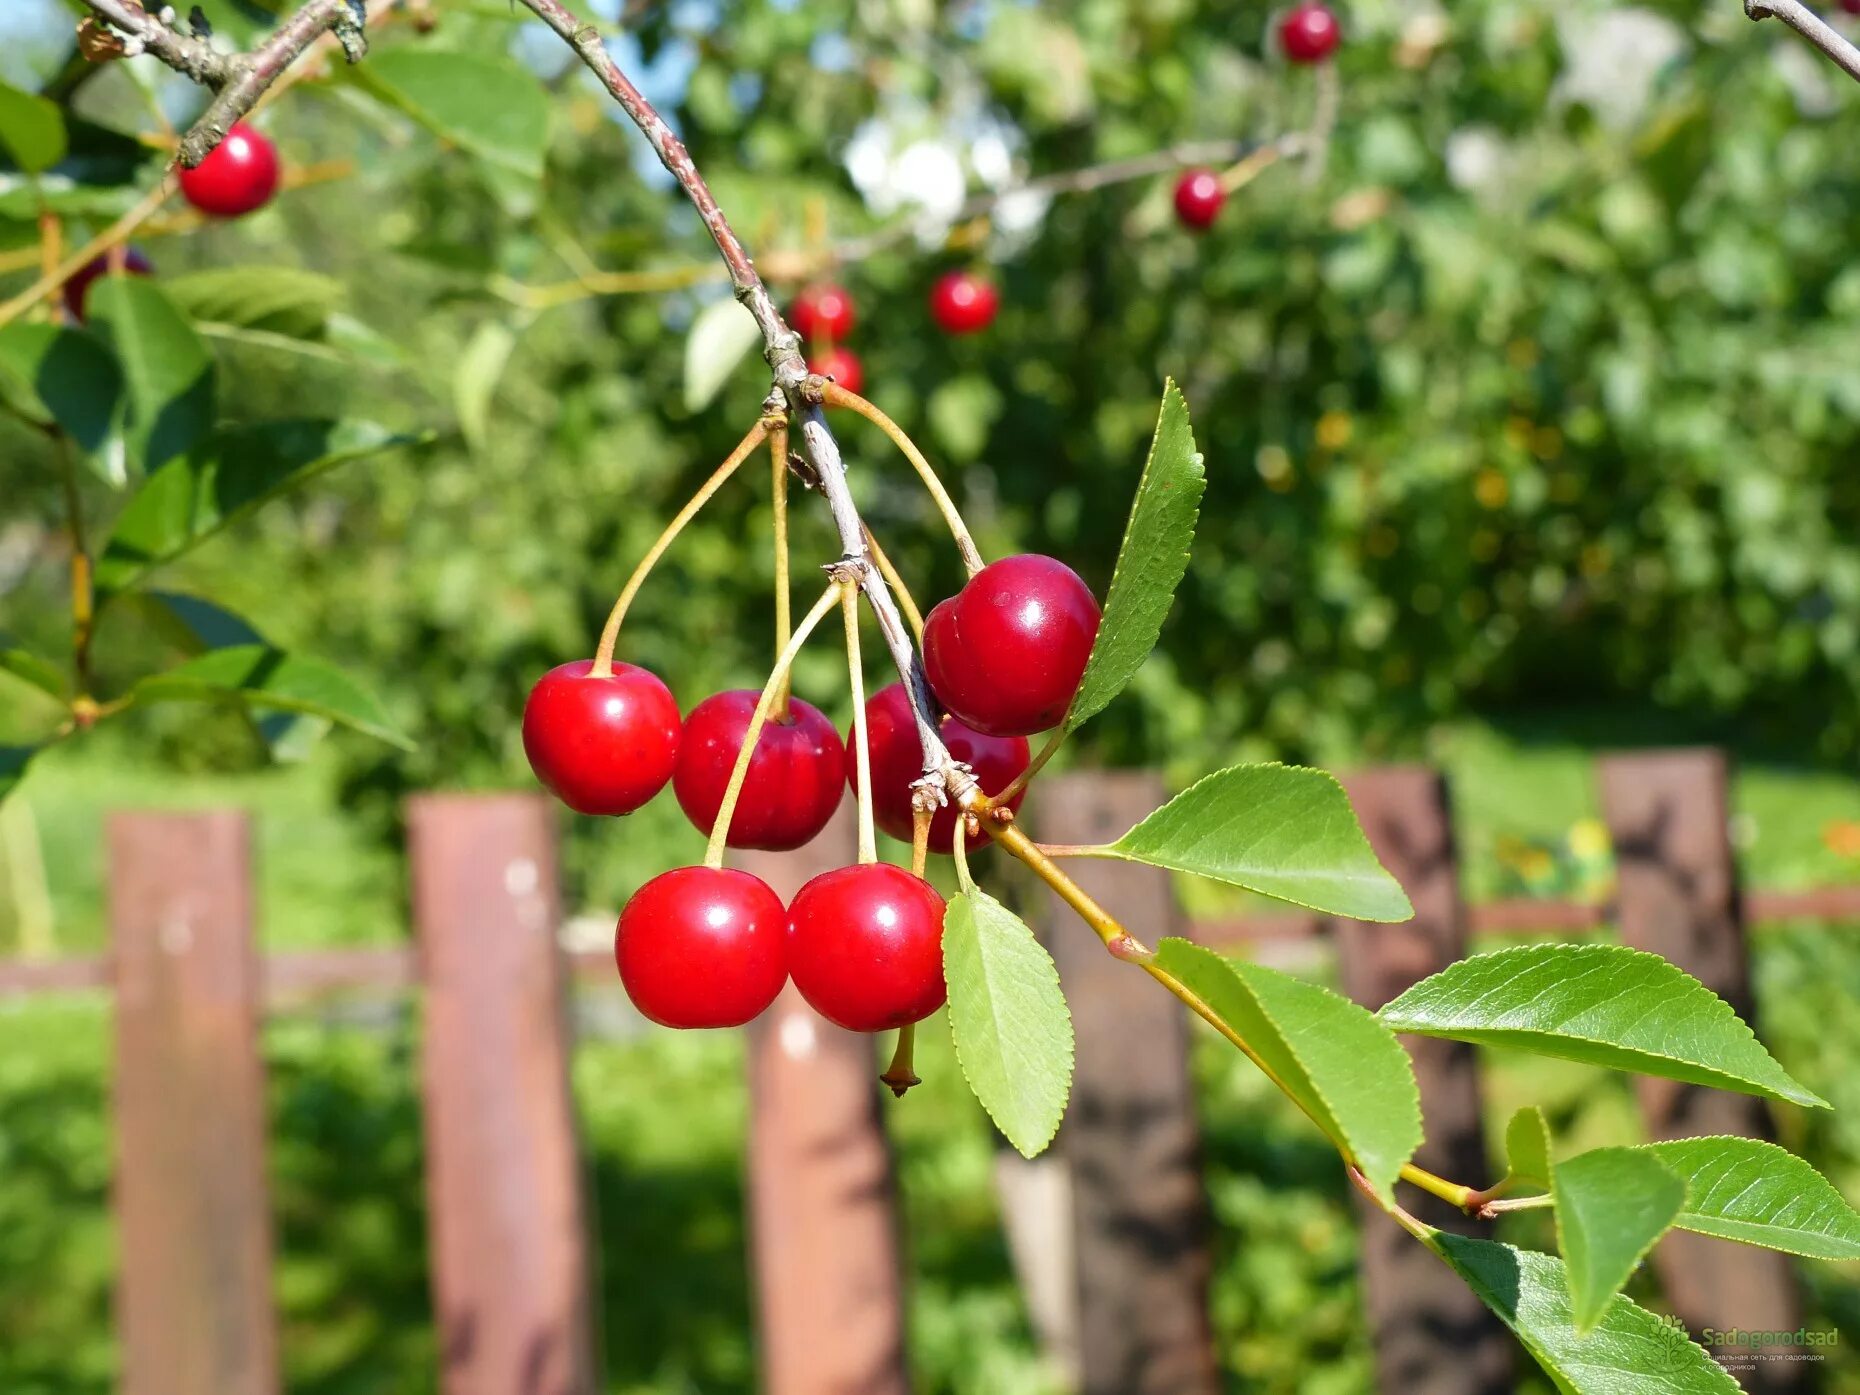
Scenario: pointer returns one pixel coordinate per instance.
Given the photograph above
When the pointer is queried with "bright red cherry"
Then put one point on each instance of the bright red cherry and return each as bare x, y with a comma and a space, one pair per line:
841, 365
865, 947
824, 311
1309, 33
702, 947
793, 785
1198, 198
604, 745
897, 762
963, 303
1005, 654
240, 174
1851, 6
77, 289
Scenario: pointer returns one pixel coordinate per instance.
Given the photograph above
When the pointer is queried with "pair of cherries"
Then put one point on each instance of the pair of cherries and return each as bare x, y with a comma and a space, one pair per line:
712, 946
960, 302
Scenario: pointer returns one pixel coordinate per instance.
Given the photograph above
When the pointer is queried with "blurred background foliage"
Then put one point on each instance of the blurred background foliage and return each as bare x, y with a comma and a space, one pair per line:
1530, 420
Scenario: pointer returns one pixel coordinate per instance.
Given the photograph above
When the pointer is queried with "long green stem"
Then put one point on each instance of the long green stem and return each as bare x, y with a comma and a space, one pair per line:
906, 602
1046, 753
720, 830
862, 748
1451, 1192
836, 396
83, 591
778, 495
610, 633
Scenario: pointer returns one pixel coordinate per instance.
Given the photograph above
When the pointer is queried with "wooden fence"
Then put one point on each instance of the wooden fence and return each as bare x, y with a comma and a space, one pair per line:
1113, 1238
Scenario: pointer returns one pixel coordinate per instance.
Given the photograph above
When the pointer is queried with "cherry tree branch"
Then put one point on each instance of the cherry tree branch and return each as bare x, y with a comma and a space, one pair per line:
190, 56
1812, 27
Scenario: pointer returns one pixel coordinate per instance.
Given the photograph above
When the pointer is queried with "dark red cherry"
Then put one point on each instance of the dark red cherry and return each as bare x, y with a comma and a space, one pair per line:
794, 780
77, 289
1005, 654
240, 175
824, 311
702, 947
963, 303
1198, 198
897, 763
1309, 33
604, 745
865, 947
841, 365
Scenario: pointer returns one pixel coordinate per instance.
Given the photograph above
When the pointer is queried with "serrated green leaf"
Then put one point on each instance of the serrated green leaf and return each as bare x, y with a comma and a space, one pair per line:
1611, 1205
1151, 561
1630, 1352
721, 336
1527, 1148
1280, 830
167, 366
32, 130
1756, 1193
28, 667
489, 106
1341, 1066
1009, 1018
263, 677
232, 473
276, 299
68, 378
13, 761
1606, 1005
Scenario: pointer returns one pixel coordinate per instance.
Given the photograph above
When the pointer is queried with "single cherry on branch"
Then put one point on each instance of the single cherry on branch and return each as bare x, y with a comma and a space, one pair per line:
794, 780
77, 289
841, 365
1006, 653
822, 312
604, 745
1198, 198
702, 947
865, 947
1309, 32
897, 764
239, 175
964, 303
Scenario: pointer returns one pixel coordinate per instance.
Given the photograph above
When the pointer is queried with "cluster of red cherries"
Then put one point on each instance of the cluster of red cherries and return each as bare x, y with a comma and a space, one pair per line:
238, 177
711, 947
960, 302
1308, 33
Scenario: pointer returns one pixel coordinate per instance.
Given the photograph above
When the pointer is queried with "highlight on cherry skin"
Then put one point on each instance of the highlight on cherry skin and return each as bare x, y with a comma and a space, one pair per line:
963, 303
1198, 198
841, 365
77, 289
602, 745
822, 311
897, 763
238, 177
1006, 653
794, 780
702, 947
1309, 33
865, 947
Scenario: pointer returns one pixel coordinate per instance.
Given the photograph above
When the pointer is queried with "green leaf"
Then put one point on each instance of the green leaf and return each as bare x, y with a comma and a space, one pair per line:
1611, 1205
721, 335
232, 473
1340, 1065
474, 381
1009, 1018
260, 676
1606, 1005
1281, 830
1527, 1148
489, 106
275, 299
13, 760
168, 366
62, 377
31, 130
1150, 562
28, 667
1759, 1194
1630, 1352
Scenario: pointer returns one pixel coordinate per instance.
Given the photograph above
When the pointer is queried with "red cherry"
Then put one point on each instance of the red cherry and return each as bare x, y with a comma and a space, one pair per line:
897, 762
1851, 6
793, 785
822, 312
604, 745
963, 303
865, 947
241, 174
702, 947
1198, 198
1309, 33
841, 365
77, 289
1005, 654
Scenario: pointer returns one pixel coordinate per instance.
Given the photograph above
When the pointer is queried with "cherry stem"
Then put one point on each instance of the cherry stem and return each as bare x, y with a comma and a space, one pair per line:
1451, 1192
117, 232
784, 619
610, 633
912, 615
920, 838
836, 396
862, 748
1247, 170
83, 590
960, 846
901, 1074
1020, 782
739, 773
